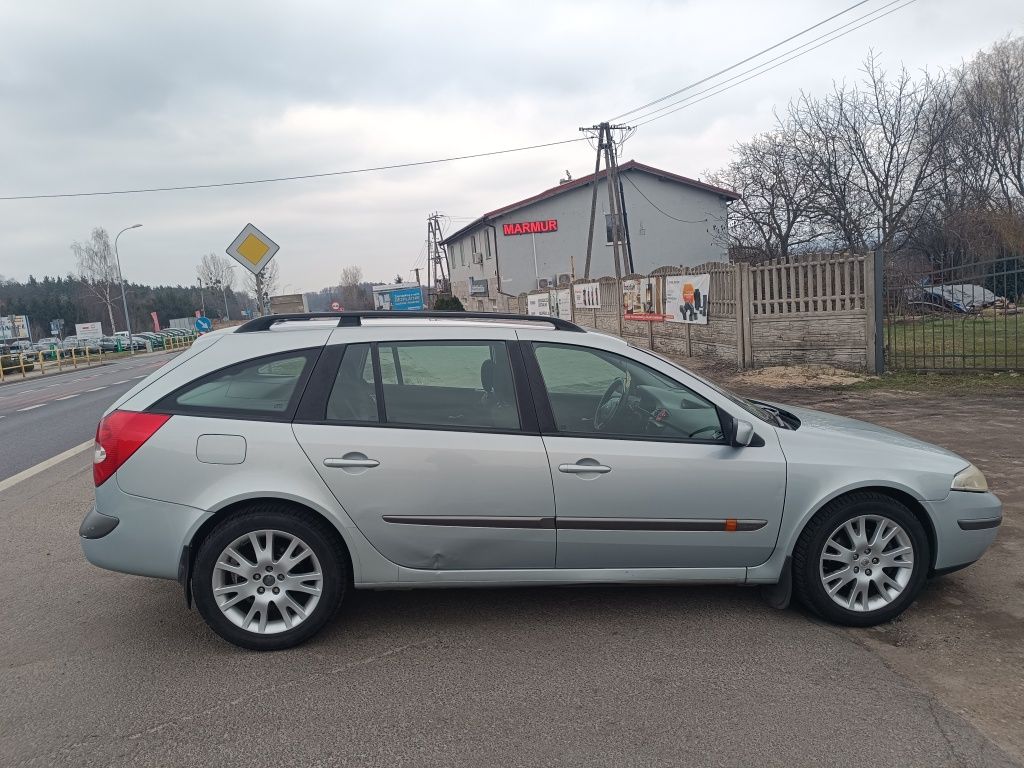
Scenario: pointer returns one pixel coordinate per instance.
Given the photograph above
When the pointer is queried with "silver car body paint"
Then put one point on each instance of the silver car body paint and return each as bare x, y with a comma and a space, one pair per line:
164, 493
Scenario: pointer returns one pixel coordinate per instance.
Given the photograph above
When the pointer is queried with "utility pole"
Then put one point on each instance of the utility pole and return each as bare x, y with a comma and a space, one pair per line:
202, 297
438, 279
417, 271
616, 207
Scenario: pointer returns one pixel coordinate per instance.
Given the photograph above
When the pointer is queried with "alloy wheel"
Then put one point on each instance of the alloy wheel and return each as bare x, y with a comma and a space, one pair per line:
866, 563
267, 581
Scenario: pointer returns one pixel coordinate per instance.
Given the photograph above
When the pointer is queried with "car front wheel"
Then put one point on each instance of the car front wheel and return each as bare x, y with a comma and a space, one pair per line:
861, 561
269, 578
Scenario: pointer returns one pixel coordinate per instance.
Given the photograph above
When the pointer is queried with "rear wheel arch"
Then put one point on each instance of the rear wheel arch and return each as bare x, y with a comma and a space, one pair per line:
191, 548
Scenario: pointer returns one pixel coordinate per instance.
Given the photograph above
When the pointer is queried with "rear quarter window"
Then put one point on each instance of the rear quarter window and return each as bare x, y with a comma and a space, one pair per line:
267, 387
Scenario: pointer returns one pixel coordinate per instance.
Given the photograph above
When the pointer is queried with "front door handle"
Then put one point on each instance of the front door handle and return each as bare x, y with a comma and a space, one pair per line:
583, 469
343, 462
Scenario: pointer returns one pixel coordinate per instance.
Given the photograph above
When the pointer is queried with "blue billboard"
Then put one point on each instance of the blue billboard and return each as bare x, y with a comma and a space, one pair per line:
399, 299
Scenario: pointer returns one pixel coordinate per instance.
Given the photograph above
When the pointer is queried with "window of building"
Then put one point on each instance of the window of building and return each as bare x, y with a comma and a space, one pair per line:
462, 252
487, 245
448, 384
473, 249
613, 230
264, 387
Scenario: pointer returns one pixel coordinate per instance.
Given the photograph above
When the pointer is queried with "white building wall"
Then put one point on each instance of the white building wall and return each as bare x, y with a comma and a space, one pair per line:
689, 229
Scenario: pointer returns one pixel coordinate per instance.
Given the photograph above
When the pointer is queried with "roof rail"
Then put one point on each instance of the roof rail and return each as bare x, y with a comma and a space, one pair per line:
355, 319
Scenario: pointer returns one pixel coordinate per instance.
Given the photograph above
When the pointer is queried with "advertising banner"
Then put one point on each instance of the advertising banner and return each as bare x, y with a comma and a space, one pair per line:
686, 298
560, 305
642, 300
404, 299
89, 330
538, 304
478, 287
14, 327
587, 295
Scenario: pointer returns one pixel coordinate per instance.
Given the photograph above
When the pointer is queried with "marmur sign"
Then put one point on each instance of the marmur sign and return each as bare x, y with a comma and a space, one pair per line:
530, 227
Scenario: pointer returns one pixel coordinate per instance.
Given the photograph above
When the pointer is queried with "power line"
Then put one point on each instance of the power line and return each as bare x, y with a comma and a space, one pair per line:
739, 63
769, 69
663, 213
303, 177
765, 64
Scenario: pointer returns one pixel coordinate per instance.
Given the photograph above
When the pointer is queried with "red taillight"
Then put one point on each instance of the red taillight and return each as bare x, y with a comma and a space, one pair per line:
119, 435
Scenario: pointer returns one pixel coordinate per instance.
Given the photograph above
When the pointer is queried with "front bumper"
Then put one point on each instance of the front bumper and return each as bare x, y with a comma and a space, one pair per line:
145, 537
965, 526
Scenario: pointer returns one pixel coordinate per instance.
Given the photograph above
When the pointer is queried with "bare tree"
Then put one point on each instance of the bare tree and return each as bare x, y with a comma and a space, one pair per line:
841, 208
775, 212
263, 285
217, 271
992, 90
892, 130
353, 292
97, 268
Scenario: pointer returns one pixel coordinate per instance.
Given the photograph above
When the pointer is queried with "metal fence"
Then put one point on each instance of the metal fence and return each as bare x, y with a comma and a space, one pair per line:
966, 317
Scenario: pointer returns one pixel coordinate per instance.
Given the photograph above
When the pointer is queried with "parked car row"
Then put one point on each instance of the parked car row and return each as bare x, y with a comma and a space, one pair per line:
51, 347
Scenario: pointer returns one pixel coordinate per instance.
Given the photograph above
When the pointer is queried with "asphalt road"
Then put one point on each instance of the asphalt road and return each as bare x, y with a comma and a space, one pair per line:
99, 668
43, 416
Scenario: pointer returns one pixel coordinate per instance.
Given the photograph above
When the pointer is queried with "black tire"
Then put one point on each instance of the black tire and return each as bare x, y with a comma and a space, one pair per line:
315, 532
807, 580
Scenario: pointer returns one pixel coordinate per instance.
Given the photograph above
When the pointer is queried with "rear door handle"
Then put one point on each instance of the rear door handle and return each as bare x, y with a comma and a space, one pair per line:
367, 463
582, 469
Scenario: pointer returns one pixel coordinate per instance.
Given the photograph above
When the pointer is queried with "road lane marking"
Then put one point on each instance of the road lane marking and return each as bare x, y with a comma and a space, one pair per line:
135, 378
44, 465
120, 382
96, 389
30, 407
68, 397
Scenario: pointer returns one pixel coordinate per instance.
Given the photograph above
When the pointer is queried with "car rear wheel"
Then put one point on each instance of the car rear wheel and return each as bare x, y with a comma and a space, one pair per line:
270, 577
861, 561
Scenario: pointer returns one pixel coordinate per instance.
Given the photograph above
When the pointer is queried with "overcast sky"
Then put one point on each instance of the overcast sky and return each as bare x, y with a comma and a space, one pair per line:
116, 95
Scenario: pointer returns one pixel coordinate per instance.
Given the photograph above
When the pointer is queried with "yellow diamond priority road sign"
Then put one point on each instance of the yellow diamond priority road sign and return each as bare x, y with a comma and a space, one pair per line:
252, 249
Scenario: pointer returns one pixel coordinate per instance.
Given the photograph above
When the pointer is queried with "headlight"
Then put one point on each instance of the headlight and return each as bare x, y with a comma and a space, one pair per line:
971, 480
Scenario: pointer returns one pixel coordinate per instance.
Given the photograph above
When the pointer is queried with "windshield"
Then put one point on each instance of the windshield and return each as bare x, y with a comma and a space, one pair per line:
743, 403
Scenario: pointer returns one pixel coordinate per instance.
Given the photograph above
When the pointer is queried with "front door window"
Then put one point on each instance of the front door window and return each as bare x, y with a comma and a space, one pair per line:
598, 393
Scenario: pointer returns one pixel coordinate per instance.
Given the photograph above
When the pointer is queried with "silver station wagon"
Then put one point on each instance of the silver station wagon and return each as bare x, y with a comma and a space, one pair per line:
275, 466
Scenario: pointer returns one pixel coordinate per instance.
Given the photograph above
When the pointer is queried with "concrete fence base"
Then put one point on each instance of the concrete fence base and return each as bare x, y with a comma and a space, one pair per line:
799, 310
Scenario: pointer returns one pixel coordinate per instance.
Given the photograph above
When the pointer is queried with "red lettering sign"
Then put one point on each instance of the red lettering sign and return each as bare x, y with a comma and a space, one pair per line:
530, 227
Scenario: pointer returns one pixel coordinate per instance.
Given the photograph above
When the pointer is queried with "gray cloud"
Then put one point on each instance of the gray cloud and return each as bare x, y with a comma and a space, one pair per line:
114, 95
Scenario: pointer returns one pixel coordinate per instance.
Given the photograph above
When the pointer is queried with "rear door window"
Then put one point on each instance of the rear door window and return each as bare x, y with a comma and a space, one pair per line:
448, 384
353, 396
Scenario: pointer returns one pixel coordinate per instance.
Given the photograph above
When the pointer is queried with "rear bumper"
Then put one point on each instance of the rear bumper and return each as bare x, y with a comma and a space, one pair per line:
965, 526
97, 525
145, 538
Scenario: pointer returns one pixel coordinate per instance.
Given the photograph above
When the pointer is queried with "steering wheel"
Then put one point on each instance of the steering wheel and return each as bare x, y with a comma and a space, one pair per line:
714, 427
612, 404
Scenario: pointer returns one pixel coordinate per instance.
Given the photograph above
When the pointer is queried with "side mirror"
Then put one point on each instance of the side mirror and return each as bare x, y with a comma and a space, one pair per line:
742, 433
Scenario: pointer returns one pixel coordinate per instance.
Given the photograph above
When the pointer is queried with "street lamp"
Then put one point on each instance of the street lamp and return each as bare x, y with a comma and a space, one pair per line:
124, 300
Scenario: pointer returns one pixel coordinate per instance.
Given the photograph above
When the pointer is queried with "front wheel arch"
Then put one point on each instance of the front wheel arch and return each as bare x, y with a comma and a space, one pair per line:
187, 559
904, 498
811, 589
